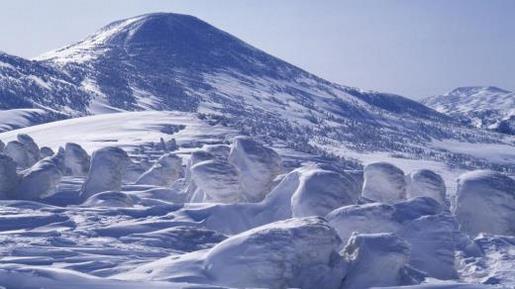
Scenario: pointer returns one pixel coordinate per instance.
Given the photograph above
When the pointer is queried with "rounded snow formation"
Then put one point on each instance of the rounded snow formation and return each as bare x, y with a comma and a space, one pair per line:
8, 176
39, 181
321, 191
76, 160
107, 168
164, 172
111, 200
294, 253
426, 183
218, 151
485, 203
420, 221
216, 181
363, 219
384, 183
258, 166
17, 151
375, 260
46, 152
31, 147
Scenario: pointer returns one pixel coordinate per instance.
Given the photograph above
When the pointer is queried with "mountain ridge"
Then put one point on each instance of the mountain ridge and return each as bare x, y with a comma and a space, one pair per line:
486, 107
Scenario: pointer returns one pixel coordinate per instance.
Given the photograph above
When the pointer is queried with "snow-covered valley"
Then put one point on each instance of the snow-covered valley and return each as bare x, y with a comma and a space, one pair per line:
161, 152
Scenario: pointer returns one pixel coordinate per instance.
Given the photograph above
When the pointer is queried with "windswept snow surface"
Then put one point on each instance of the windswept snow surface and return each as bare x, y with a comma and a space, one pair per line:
159, 232
126, 130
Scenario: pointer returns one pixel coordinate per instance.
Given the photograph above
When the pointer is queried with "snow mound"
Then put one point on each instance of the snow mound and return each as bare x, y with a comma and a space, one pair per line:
40, 180
420, 221
31, 148
164, 172
111, 200
321, 191
295, 253
76, 160
375, 260
108, 165
219, 151
384, 182
18, 152
8, 176
216, 181
46, 152
485, 202
257, 165
432, 244
426, 183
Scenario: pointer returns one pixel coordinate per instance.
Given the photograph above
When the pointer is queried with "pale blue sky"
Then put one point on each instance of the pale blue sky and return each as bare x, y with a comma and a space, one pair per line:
412, 47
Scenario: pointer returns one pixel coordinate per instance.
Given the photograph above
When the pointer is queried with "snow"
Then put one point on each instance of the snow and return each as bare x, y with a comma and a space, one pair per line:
18, 152
18, 118
486, 203
8, 176
108, 166
217, 181
277, 255
426, 183
76, 160
321, 191
127, 130
257, 166
375, 260
40, 180
384, 182
270, 210
164, 172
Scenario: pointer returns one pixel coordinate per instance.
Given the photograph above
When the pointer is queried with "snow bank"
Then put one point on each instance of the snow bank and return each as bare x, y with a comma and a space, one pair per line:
17, 151
375, 260
31, 148
108, 165
15, 276
111, 200
40, 180
321, 191
295, 253
216, 181
426, 183
420, 221
432, 245
45, 152
384, 182
164, 172
8, 177
486, 203
257, 165
76, 159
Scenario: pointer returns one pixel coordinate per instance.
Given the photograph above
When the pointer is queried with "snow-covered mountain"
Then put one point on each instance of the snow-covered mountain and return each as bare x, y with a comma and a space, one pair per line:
483, 107
176, 62
188, 155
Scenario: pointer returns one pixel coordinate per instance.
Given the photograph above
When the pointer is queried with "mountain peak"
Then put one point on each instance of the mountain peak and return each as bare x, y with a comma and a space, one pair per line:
181, 40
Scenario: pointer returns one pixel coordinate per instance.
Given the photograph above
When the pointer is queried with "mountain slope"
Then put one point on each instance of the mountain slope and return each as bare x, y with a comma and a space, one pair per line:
168, 61
483, 107
30, 84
